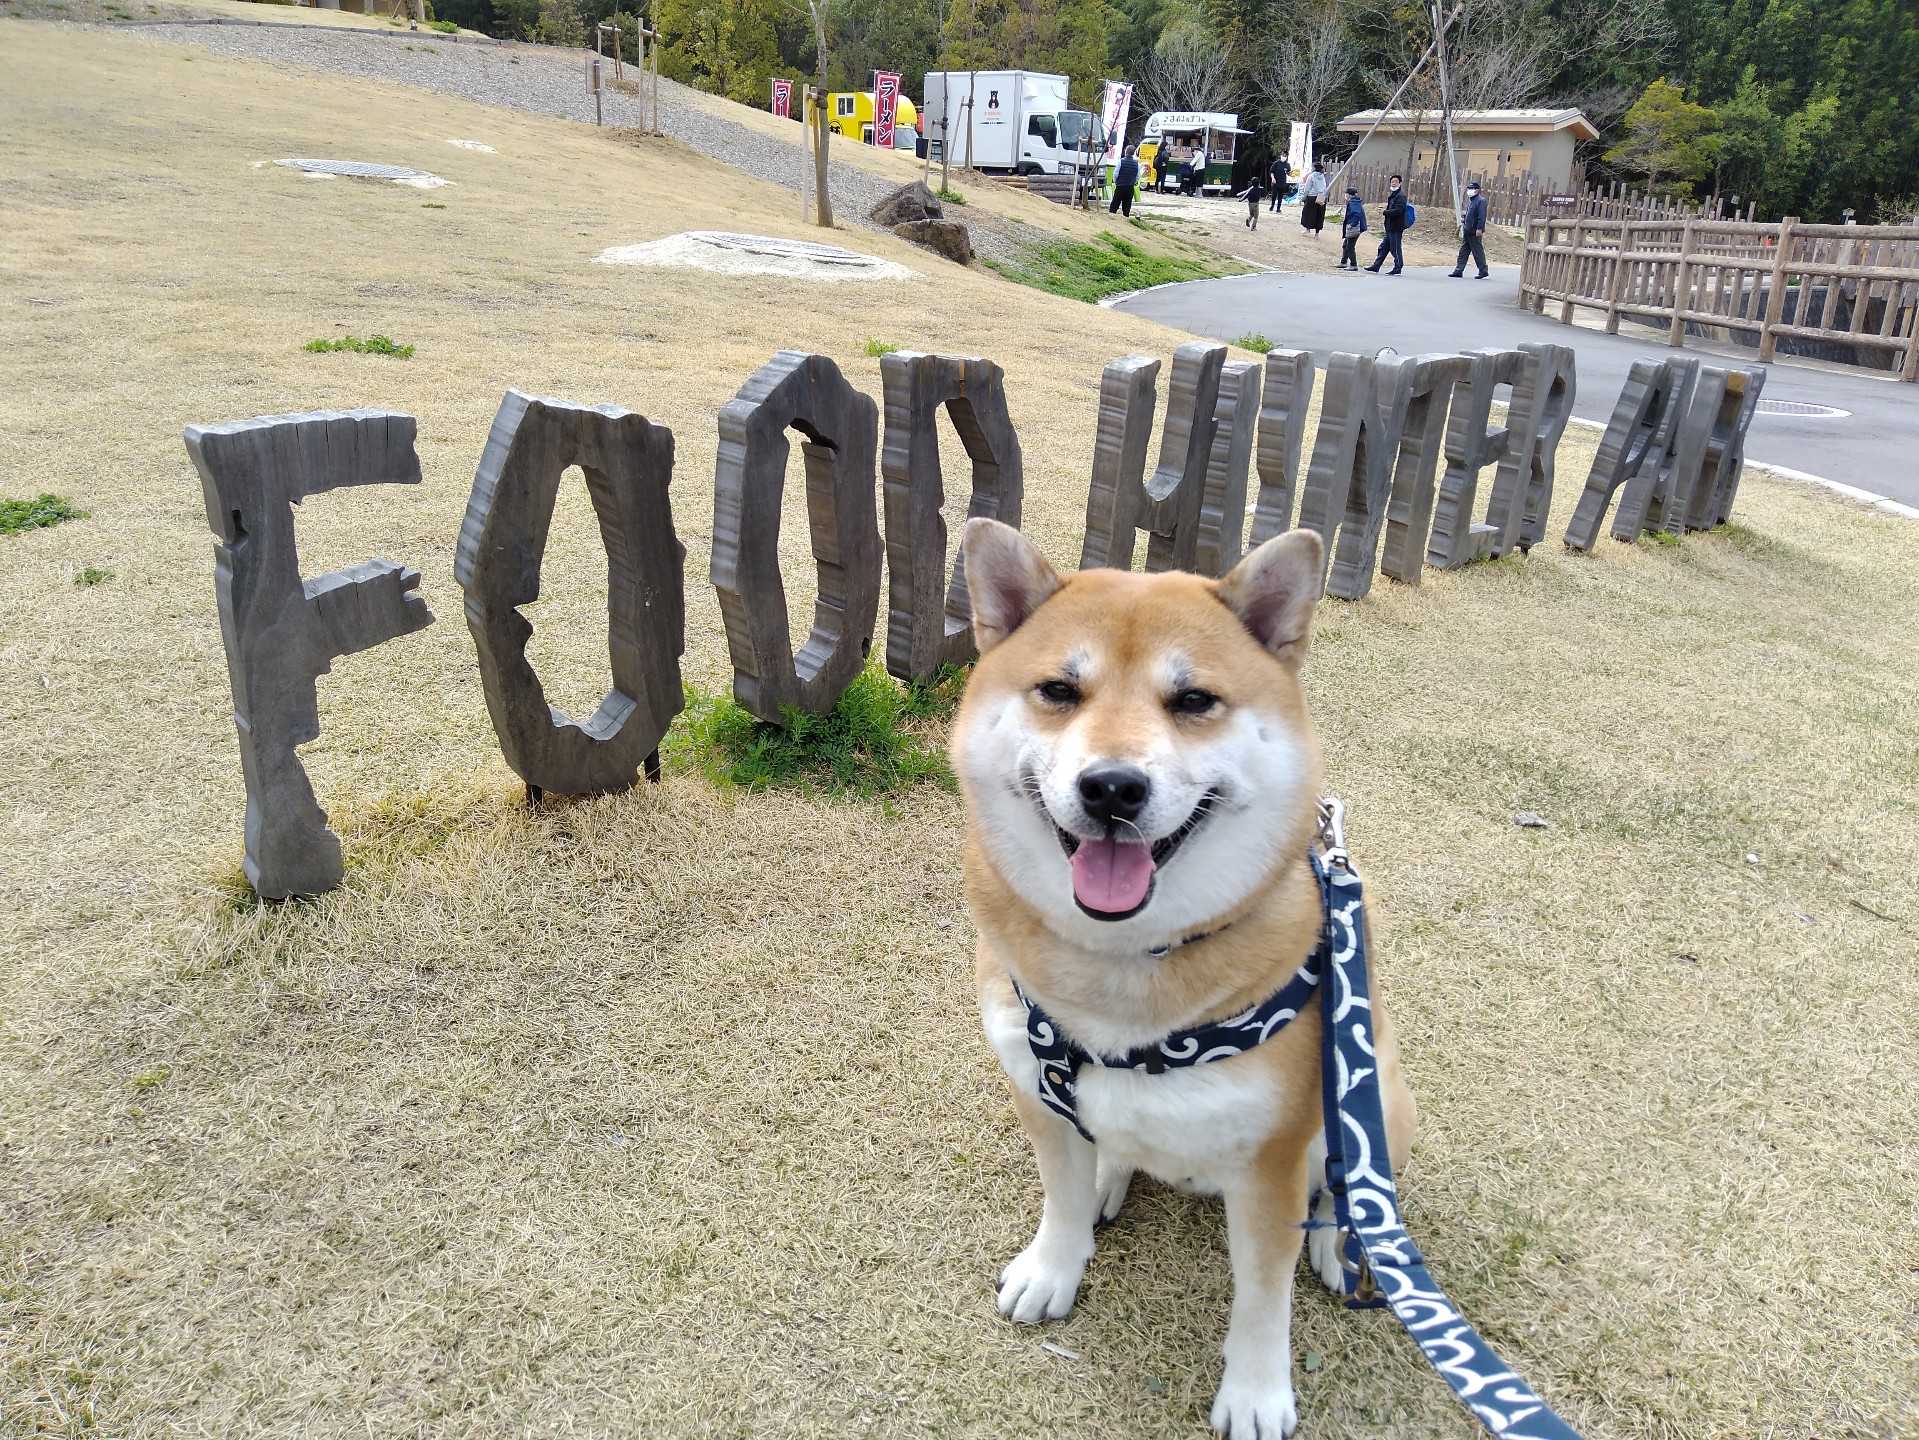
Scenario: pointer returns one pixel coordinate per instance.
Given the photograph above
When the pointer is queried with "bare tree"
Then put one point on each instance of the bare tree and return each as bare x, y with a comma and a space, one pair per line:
1188, 71
1304, 76
817, 11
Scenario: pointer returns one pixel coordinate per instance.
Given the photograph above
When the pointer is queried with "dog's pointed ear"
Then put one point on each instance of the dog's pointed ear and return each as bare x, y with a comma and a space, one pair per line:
1273, 591
1006, 578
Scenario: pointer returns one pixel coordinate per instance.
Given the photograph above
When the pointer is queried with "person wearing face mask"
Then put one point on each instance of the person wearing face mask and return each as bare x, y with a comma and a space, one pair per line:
1394, 222
1472, 240
1352, 225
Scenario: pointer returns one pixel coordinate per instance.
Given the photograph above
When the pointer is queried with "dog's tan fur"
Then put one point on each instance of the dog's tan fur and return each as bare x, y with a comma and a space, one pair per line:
1243, 639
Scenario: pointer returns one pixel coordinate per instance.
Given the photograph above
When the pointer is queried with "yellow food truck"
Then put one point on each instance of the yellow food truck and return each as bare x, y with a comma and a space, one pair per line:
852, 113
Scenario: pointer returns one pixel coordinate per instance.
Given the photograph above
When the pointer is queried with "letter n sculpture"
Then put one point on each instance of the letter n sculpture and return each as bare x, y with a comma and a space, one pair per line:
283, 632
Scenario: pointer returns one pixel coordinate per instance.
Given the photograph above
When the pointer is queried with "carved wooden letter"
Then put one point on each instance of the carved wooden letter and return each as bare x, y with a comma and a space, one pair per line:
841, 427
628, 463
283, 633
1470, 448
1340, 447
1222, 503
1282, 429
1636, 418
1422, 450
1639, 506
1549, 388
1715, 407
1117, 496
1167, 506
930, 618
1730, 463
1383, 429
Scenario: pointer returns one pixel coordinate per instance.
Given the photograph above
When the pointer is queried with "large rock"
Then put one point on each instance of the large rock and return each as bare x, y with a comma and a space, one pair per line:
908, 203
946, 237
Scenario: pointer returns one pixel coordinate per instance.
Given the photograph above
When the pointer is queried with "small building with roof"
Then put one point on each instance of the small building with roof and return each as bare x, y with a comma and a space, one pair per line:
1493, 143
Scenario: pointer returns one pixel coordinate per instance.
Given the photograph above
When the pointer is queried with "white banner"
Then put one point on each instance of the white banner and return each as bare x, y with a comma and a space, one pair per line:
1115, 106
1299, 150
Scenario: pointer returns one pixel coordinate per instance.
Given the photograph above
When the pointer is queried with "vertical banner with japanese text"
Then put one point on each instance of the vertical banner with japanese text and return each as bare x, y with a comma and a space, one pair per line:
783, 99
1115, 106
886, 104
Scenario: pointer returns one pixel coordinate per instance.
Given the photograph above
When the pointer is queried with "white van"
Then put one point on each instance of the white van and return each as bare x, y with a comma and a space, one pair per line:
1020, 121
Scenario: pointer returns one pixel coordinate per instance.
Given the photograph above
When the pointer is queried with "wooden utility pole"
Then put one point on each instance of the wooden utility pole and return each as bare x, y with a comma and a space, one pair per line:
1446, 111
1387, 108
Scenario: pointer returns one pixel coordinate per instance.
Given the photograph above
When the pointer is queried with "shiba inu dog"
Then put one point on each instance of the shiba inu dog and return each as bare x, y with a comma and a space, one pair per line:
1141, 782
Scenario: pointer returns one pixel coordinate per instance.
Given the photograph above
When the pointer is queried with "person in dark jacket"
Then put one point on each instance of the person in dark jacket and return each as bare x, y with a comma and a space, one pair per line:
1395, 227
1472, 238
1253, 194
1352, 225
1125, 183
1280, 177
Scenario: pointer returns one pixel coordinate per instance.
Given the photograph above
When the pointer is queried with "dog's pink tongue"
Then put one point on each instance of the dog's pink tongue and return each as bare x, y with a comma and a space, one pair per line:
1111, 876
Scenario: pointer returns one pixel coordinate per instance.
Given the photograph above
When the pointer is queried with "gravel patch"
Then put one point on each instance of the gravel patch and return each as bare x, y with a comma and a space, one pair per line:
544, 81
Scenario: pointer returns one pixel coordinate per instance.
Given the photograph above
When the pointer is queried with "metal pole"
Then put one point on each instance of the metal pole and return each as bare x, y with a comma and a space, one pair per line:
1386, 110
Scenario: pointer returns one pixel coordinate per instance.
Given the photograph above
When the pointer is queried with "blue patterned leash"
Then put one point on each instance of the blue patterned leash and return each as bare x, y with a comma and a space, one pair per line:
1381, 1266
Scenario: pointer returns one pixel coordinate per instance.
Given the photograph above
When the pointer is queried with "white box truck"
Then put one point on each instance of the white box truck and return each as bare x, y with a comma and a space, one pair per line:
1020, 121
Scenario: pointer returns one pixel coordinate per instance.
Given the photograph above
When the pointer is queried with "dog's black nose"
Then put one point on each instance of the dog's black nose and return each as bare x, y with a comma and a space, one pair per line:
1114, 793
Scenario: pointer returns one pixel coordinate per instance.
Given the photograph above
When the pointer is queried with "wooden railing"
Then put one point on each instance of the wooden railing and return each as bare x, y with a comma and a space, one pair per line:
1851, 288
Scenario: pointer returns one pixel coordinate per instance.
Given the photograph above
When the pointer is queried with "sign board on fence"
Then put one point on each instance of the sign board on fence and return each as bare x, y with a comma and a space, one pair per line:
886, 104
1115, 106
1561, 201
1299, 149
783, 99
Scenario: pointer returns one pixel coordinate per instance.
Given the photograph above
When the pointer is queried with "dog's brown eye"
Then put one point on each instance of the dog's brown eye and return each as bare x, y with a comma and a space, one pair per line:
1194, 702
1059, 692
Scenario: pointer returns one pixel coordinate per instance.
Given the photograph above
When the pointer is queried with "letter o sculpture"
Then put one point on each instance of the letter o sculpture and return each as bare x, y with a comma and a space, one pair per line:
628, 463
922, 634
841, 427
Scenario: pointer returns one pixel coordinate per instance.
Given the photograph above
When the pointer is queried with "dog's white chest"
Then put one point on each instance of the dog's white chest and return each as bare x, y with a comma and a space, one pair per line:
1198, 1126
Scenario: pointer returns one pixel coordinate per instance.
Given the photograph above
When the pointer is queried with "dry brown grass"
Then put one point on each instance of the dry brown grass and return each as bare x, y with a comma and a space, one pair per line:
666, 1114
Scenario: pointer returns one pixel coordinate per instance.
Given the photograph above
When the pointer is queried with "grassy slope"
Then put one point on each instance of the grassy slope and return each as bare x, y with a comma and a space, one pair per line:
667, 1114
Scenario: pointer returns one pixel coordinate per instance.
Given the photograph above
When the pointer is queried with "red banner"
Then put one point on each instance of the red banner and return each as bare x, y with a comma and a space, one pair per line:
886, 104
783, 99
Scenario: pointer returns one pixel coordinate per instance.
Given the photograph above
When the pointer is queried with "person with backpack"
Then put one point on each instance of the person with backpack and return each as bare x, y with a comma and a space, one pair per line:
1352, 225
1472, 233
1399, 218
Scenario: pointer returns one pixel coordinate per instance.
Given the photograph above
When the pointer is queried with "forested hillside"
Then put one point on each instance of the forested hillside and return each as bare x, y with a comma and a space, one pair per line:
1807, 107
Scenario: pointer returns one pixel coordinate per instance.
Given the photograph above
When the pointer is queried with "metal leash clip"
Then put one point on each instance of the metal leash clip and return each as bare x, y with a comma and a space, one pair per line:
1332, 832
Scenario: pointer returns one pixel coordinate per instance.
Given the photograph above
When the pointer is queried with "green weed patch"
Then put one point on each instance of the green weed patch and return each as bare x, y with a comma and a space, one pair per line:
372, 345
1110, 266
17, 516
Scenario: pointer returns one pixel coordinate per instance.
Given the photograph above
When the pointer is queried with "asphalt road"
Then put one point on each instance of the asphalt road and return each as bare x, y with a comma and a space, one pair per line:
1875, 447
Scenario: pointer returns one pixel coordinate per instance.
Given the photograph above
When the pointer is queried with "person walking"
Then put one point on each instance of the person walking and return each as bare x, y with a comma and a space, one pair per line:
1312, 209
1125, 182
1281, 176
1352, 225
1472, 239
1394, 228
1253, 194
1159, 167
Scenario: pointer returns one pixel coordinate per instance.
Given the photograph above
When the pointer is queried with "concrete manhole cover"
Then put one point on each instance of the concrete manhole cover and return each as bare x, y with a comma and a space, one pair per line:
1802, 409
729, 253
362, 170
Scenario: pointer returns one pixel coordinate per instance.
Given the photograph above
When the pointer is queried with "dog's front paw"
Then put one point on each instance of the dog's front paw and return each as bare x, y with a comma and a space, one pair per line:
1324, 1245
1040, 1284
1254, 1411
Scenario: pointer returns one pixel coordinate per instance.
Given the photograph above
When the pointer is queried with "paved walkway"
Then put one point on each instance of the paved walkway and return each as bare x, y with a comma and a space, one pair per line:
1876, 447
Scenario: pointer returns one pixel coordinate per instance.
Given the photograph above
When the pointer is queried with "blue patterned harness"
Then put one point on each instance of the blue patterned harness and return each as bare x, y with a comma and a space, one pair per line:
1382, 1267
